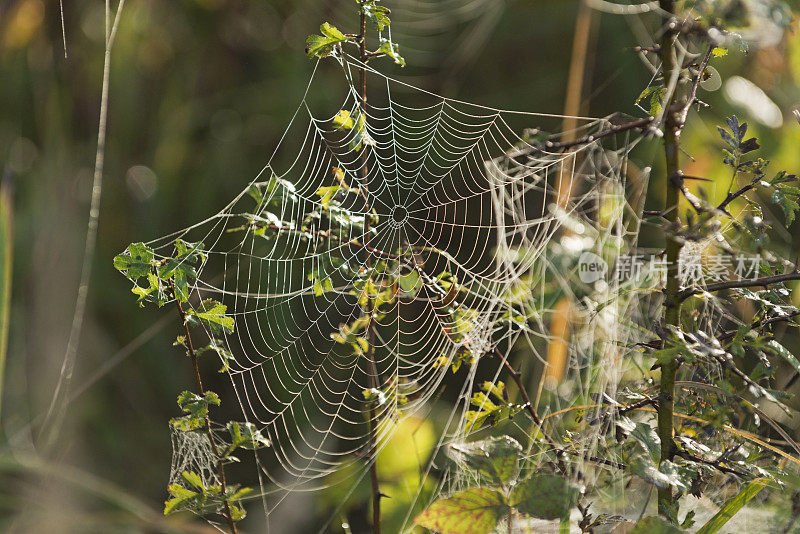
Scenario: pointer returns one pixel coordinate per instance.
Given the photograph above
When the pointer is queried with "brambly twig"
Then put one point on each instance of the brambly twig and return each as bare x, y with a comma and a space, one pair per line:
201, 390
737, 284
373, 379
672, 309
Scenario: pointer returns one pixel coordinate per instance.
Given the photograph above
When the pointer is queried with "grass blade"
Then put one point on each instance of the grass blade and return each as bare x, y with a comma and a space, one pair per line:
6, 252
733, 506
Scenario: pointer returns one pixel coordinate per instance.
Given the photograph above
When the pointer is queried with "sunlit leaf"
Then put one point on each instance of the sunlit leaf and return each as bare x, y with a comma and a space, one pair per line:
471, 511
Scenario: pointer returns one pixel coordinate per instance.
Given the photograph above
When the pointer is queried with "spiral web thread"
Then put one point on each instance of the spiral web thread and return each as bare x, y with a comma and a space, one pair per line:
452, 182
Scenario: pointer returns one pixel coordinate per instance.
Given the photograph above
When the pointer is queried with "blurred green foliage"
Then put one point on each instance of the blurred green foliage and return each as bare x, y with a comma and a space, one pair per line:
201, 91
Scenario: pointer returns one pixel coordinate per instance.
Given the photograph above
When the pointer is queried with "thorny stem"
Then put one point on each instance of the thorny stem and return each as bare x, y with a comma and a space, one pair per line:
554, 146
758, 325
672, 311
731, 196
373, 370
199, 381
735, 284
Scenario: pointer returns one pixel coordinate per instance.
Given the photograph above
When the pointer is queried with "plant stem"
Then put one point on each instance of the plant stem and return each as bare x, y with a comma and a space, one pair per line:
57, 410
199, 381
735, 284
373, 369
672, 310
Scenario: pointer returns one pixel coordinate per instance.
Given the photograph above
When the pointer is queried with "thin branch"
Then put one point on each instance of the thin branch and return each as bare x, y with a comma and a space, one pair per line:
517, 377
63, 27
761, 324
199, 381
373, 378
731, 196
736, 284
716, 464
594, 459
693, 91
556, 146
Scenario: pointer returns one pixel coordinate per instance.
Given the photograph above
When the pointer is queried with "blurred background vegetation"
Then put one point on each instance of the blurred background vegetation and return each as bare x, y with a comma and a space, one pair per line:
201, 91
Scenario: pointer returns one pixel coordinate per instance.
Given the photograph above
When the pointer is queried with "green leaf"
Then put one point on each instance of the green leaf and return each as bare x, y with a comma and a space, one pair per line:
181, 498
211, 314
646, 435
392, 50
496, 458
410, 283
655, 525
496, 408
240, 493
344, 120
193, 479
733, 506
545, 496
218, 346
471, 511
323, 45
784, 353
197, 409
272, 192
237, 512
246, 436
255, 192
182, 268
327, 194
655, 93
136, 262
787, 202
662, 476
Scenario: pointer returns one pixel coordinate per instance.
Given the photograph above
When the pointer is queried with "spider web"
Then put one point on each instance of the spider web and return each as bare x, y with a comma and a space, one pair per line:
453, 187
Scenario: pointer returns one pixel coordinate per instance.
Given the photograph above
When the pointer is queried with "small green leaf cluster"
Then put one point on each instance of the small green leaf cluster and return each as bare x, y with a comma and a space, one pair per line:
653, 95
196, 409
195, 495
491, 406
782, 188
192, 493
331, 39
162, 279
